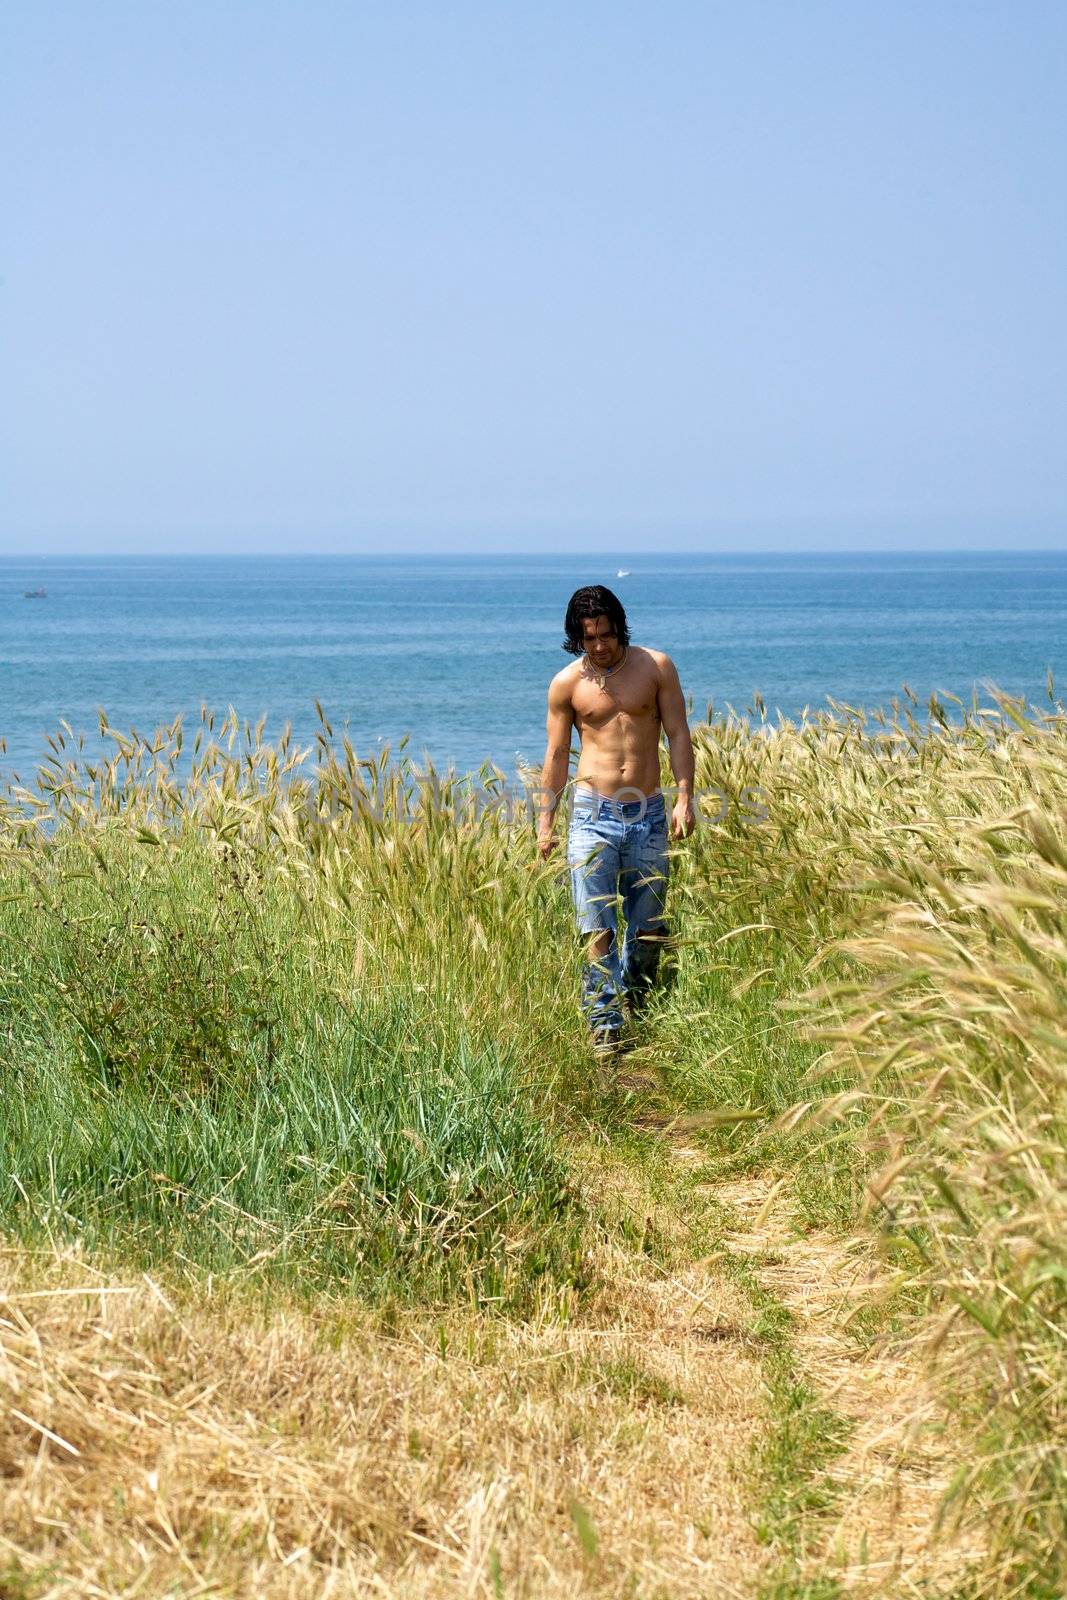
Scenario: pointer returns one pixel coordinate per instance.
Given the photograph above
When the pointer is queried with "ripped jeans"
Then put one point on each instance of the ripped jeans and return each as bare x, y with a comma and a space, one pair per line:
618, 850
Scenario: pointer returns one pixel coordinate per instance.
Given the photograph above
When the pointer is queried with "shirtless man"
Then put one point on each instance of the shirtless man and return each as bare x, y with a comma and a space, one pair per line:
619, 697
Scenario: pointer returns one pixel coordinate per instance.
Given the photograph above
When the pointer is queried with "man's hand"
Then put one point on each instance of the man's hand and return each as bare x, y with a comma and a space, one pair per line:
683, 818
546, 842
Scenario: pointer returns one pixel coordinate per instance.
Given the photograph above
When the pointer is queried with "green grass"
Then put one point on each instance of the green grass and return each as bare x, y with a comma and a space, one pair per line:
235, 1051
735, 1060
379, 1150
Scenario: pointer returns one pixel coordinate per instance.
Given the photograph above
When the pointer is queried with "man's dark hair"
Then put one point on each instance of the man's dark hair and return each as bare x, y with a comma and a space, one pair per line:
592, 601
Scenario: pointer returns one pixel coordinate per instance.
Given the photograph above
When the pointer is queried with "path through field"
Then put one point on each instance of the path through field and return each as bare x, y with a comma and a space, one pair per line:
872, 1521
703, 1426
881, 1535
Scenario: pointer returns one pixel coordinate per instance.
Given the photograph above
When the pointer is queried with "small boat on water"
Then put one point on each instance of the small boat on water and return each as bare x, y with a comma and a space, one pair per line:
623, 572
35, 594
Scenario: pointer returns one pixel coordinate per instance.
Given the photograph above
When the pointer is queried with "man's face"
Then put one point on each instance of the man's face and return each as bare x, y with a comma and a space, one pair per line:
600, 640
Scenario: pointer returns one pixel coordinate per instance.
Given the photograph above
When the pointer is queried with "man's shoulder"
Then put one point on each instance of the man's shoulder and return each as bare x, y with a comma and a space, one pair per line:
658, 658
567, 674
565, 679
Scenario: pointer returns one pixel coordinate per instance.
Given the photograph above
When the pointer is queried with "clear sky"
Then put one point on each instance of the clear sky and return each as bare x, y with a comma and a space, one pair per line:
340, 275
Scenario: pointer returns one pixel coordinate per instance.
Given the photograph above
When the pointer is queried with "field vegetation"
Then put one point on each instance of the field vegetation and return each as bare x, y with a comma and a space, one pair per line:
331, 1266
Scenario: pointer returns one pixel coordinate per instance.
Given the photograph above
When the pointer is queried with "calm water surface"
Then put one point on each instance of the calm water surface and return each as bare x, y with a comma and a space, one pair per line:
457, 651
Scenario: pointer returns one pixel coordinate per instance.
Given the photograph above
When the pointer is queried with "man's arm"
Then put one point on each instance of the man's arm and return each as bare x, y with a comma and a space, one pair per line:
557, 758
676, 727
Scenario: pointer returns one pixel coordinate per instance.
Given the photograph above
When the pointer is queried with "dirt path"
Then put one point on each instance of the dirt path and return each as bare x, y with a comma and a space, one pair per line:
882, 1537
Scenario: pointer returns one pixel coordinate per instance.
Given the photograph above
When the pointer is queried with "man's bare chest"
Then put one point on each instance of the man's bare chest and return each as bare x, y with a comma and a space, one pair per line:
629, 700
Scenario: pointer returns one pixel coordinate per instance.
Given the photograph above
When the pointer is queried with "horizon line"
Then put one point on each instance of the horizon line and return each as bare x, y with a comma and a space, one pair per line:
578, 552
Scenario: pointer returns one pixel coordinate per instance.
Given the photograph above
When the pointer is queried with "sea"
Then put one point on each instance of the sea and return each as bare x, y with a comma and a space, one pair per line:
456, 652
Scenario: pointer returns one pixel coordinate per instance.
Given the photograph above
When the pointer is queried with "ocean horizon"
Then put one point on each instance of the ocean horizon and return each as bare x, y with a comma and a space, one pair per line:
456, 652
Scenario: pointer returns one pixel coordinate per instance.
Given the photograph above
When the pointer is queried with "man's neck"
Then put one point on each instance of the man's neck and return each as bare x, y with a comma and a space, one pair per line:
606, 666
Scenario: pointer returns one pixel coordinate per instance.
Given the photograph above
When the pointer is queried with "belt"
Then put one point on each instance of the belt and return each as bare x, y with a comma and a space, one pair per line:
638, 807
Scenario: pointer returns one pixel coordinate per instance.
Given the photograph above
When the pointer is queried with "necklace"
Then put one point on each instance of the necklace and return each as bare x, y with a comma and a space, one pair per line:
602, 674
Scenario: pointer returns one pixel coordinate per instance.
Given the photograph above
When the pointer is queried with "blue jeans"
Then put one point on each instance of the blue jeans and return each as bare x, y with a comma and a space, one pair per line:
618, 851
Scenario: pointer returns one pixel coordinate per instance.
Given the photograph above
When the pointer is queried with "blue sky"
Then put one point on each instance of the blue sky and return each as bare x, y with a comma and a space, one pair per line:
394, 277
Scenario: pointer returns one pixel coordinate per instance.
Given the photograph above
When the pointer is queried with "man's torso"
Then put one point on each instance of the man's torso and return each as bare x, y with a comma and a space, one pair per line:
618, 722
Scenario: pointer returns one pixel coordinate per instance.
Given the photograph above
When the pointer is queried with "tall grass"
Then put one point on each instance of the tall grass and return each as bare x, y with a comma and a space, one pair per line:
277, 1011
